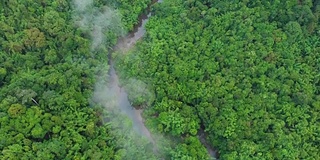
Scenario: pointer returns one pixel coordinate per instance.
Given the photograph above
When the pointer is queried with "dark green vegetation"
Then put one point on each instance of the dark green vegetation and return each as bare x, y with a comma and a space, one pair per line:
248, 72
47, 76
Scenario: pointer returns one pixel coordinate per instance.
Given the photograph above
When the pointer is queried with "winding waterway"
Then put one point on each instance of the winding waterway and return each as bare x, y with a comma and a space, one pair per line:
123, 45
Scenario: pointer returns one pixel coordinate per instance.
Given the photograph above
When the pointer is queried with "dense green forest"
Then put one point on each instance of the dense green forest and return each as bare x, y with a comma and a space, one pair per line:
47, 77
247, 72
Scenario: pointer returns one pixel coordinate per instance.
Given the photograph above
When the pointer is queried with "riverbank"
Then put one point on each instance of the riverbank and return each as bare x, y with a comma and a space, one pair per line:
124, 45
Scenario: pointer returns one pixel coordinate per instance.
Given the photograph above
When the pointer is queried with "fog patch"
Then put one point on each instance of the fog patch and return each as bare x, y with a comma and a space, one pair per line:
139, 93
127, 124
98, 22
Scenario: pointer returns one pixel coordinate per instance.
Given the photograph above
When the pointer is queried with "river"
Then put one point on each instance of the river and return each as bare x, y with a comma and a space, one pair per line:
124, 44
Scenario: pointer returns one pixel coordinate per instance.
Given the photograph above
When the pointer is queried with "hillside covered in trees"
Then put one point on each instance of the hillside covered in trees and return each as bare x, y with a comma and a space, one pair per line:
246, 73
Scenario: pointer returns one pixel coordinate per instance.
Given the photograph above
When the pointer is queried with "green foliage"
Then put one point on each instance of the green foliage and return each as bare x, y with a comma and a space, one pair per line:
178, 118
3, 73
248, 70
16, 110
190, 149
139, 94
37, 132
130, 11
47, 76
